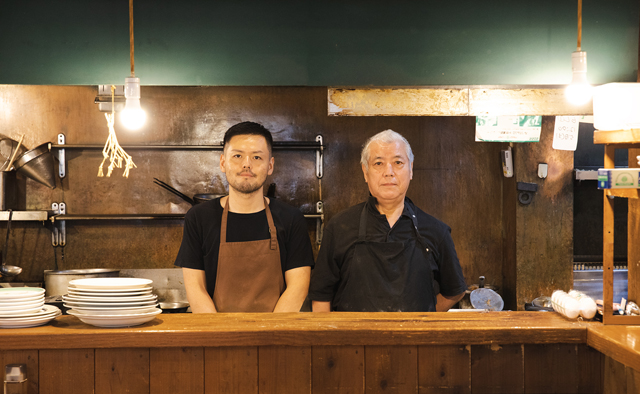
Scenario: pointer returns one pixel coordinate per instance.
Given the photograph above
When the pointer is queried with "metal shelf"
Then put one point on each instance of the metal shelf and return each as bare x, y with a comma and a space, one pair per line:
26, 216
277, 145
137, 216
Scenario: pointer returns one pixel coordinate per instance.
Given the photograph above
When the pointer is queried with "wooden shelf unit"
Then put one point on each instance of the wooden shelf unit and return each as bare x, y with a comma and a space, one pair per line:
612, 140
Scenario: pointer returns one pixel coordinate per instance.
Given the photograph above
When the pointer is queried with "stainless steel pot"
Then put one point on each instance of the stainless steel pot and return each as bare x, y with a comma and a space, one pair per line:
57, 282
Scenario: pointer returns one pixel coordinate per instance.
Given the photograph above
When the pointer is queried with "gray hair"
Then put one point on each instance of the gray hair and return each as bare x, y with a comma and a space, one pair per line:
385, 137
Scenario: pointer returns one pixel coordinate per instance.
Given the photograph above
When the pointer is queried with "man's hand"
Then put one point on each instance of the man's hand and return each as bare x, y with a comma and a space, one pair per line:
196, 285
297, 280
446, 302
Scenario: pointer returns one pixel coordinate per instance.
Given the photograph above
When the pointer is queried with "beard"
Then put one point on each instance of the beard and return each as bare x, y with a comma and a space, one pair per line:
246, 186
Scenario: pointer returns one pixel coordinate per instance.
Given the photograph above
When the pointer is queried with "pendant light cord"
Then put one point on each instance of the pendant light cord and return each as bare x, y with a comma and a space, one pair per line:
579, 30
131, 36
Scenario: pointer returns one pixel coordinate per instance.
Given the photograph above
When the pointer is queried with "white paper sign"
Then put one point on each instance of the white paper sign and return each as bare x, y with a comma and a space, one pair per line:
508, 128
565, 132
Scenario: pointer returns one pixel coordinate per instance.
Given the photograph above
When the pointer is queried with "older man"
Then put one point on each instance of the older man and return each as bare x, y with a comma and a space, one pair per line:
386, 254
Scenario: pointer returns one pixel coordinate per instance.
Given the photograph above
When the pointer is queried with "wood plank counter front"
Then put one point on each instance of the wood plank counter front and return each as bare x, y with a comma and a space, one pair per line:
456, 352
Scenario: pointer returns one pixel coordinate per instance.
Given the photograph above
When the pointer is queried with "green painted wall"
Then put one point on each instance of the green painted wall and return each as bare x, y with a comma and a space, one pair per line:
316, 43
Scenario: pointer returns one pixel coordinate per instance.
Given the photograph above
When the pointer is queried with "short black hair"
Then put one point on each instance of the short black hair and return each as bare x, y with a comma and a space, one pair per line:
249, 128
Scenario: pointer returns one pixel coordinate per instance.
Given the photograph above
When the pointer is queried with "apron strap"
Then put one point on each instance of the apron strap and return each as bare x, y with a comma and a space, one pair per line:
414, 219
272, 228
223, 225
362, 232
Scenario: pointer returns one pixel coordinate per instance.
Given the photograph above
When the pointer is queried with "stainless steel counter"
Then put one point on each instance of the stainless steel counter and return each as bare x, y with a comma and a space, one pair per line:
589, 281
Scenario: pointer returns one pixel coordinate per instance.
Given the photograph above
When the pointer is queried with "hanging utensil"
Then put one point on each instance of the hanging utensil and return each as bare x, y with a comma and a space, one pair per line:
484, 298
8, 270
15, 153
171, 189
197, 199
37, 164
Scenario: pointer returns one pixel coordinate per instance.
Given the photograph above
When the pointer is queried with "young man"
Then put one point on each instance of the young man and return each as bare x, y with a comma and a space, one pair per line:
386, 254
245, 252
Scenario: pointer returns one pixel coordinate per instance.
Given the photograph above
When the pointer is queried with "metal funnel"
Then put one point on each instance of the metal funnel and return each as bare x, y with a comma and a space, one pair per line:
37, 164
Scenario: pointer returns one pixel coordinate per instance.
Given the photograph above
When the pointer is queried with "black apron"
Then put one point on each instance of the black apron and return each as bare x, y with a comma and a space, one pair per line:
387, 276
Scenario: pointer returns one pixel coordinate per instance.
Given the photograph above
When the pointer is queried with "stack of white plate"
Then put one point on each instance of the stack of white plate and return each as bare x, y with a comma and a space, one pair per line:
112, 302
24, 307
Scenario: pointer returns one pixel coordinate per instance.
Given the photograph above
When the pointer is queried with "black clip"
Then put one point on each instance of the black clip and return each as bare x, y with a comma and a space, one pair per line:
526, 190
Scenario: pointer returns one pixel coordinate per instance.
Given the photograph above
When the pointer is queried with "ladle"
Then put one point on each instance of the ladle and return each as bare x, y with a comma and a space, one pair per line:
8, 270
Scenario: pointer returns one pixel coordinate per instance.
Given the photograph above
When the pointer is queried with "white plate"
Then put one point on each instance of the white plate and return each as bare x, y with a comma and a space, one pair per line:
12, 293
21, 302
110, 293
27, 321
21, 311
118, 320
34, 307
148, 297
44, 311
112, 311
108, 304
110, 283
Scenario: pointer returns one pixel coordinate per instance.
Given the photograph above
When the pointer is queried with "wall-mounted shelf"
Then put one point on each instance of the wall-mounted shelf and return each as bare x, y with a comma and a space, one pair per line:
26, 216
277, 145
135, 216
317, 146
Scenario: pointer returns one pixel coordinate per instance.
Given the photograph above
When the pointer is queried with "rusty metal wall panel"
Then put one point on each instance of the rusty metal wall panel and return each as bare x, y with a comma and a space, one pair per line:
452, 101
398, 102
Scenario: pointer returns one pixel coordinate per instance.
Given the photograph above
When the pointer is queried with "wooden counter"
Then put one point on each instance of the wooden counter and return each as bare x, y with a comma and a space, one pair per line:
305, 329
454, 352
619, 342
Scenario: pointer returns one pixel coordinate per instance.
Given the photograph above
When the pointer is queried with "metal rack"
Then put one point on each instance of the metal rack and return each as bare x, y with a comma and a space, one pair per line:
58, 215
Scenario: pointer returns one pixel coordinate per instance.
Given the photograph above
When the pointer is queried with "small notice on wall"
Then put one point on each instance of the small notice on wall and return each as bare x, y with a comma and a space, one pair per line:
565, 132
508, 128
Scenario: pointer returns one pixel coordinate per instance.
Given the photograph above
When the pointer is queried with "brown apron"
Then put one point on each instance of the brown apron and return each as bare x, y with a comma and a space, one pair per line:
249, 276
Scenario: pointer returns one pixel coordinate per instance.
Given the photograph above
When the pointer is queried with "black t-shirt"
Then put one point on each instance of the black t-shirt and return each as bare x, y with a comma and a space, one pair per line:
341, 234
201, 237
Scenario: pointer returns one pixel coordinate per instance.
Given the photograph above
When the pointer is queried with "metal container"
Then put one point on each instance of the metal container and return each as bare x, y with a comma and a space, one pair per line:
37, 164
57, 282
174, 307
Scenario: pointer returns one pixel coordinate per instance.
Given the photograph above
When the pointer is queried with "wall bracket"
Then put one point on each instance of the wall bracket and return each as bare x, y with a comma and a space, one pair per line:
59, 232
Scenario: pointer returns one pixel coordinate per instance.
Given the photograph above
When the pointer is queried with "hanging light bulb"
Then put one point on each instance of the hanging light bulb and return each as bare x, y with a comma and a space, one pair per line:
579, 92
132, 116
